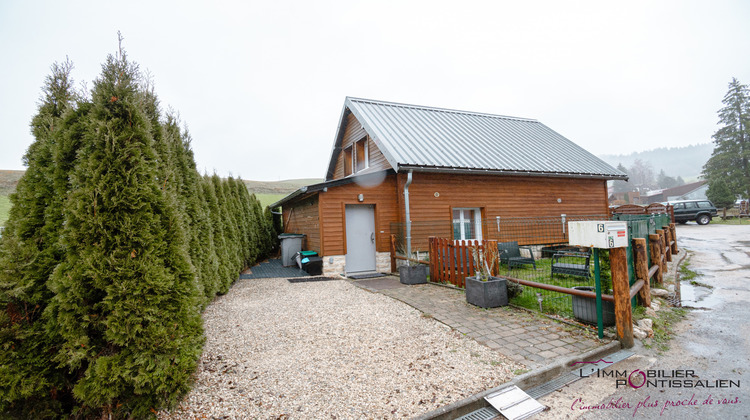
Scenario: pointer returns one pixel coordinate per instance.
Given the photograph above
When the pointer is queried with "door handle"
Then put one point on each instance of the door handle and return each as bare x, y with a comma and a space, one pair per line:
372, 237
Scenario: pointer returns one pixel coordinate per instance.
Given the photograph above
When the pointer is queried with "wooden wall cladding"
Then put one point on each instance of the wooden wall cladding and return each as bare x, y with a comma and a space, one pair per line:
432, 195
332, 217
302, 217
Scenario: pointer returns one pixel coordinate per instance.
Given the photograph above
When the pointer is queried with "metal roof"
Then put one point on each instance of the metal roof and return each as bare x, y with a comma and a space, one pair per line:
444, 140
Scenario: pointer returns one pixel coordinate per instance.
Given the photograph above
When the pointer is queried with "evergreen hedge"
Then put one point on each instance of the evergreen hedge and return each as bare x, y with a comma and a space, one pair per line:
113, 246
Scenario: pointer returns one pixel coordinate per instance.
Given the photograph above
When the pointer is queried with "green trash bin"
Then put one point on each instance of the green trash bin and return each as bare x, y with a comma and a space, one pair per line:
302, 255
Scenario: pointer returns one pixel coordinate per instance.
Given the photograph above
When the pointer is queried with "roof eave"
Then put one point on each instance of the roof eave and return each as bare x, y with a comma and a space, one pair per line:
322, 186
336, 149
479, 171
350, 104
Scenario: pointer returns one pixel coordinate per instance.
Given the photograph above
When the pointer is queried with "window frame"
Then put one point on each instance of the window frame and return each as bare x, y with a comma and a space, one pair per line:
364, 146
349, 160
477, 223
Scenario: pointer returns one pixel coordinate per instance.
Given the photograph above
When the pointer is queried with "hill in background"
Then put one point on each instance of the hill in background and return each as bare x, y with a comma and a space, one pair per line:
686, 161
8, 180
268, 192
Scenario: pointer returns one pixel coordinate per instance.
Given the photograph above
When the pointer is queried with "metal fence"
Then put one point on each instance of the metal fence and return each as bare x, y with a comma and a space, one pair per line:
542, 256
527, 231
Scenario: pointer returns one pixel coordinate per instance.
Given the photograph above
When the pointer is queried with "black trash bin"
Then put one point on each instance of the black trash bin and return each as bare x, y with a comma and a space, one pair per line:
313, 265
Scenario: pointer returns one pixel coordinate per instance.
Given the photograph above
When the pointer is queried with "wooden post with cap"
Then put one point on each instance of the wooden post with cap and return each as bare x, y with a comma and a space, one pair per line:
621, 291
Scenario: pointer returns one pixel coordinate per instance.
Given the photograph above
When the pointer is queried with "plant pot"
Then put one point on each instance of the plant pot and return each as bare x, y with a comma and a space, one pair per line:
584, 309
487, 294
413, 274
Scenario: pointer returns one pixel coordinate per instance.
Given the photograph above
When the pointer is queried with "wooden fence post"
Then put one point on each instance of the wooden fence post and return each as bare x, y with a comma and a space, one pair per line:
668, 243
674, 238
440, 260
431, 253
655, 241
662, 251
621, 286
452, 267
641, 270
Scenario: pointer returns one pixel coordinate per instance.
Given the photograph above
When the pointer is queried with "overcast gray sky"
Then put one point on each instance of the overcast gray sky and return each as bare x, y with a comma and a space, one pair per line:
261, 85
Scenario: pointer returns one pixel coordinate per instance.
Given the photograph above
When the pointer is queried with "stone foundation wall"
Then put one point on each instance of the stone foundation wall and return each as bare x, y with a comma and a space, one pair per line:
383, 262
334, 265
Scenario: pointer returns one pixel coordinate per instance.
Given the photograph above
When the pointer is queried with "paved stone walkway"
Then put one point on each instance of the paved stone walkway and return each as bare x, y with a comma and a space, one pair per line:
528, 338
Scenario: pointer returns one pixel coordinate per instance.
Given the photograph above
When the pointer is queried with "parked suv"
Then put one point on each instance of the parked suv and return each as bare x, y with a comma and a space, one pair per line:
699, 210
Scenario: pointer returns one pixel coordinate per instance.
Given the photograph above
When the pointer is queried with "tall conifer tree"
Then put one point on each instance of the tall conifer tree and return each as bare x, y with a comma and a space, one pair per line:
730, 161
219, 234
29, 251
125, 302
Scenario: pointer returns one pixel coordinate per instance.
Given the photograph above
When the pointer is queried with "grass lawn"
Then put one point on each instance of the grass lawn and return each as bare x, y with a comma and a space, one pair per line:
552, 302
4, 208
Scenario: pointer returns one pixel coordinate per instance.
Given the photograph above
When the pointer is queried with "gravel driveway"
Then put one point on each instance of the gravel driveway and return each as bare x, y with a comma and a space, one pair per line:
329, 349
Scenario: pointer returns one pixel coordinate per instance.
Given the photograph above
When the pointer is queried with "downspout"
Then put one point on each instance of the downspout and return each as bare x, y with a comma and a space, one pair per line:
407, 214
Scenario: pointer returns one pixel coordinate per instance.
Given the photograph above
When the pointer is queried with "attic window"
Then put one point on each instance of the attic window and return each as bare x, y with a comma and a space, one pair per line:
362, 155
348, 161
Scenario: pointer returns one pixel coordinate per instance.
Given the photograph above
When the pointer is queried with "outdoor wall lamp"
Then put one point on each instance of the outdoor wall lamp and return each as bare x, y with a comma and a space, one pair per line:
361, 198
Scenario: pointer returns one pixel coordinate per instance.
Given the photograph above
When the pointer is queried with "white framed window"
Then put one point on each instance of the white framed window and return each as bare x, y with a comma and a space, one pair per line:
357, 157
362, 156
467, 224
348, 161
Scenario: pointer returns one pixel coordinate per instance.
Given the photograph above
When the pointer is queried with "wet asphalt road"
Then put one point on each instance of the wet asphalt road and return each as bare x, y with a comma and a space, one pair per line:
712, 344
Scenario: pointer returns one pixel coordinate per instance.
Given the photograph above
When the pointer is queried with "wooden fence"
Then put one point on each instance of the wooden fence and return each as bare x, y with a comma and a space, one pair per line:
451, 261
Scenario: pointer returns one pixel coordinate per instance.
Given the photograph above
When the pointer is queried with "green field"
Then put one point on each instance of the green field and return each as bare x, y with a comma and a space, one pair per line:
268, 199
4, 209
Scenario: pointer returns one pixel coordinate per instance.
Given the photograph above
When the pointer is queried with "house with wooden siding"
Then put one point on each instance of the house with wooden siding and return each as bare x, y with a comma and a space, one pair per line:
435, 169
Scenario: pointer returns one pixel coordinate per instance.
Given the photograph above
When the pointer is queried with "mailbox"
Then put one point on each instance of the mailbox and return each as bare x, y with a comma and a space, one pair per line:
598, 234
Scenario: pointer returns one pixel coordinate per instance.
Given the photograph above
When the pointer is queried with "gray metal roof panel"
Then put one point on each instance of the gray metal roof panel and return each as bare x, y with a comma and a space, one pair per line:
418, 136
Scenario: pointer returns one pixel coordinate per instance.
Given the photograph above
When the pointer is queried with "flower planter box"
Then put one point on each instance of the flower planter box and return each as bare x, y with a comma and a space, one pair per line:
584, 309
487, 294
413, 274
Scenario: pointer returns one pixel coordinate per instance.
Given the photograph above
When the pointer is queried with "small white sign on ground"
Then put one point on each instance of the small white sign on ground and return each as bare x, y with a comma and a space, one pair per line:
514, 404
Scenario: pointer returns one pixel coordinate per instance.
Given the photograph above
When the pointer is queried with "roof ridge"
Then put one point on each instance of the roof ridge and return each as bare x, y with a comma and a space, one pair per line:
438, 109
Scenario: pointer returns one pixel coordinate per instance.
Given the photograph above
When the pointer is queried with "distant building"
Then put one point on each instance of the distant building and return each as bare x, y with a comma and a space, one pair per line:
692, 191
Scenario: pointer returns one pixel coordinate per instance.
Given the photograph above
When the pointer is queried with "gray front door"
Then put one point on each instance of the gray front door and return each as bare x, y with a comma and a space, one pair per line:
360, 238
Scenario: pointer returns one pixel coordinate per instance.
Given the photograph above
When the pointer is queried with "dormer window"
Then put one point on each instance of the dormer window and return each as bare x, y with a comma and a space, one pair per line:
362, 155
356, 157
348, 161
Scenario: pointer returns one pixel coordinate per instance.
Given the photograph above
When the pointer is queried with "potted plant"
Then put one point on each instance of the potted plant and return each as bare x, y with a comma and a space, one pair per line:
413, 272
484, 290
